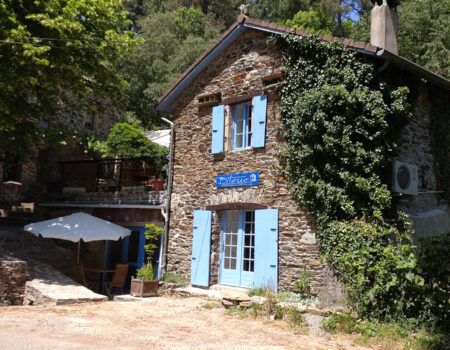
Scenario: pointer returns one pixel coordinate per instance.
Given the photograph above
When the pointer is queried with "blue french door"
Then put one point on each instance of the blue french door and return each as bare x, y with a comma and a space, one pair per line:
237, 263
133, 251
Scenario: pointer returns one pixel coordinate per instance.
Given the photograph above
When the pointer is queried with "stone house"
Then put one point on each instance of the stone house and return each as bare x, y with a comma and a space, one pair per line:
233, 220
94, 120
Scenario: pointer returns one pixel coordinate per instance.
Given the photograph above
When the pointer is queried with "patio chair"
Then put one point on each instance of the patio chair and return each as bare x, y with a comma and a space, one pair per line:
80, 277
118, 279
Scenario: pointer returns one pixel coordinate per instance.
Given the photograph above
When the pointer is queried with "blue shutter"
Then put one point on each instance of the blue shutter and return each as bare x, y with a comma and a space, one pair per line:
218, 128
259, 113
266, 248
201, 245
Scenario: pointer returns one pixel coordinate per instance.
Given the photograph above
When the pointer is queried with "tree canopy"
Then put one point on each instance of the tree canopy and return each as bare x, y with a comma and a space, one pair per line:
52, 51
171, 42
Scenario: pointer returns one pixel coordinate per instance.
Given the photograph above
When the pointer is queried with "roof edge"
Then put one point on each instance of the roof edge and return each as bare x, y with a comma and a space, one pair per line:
243, 22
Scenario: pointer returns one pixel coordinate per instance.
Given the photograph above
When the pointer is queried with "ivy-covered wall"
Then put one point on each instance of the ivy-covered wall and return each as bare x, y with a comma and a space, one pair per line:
344, 123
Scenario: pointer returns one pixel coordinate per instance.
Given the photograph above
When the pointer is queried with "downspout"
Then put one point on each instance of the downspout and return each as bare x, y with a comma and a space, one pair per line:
166, 212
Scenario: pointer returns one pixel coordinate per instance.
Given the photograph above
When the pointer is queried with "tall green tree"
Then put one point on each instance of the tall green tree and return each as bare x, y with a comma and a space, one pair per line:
424, 33
171, 42
52, 51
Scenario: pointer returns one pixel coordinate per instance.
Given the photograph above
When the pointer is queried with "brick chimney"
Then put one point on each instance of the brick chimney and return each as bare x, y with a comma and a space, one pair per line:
384, 25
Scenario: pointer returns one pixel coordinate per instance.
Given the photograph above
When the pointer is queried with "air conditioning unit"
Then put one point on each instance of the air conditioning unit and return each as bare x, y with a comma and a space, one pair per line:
405, 179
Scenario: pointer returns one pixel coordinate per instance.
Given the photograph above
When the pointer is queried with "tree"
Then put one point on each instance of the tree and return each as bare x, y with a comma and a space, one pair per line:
171, 42
53, 51
126, 140
424, 33
314, 21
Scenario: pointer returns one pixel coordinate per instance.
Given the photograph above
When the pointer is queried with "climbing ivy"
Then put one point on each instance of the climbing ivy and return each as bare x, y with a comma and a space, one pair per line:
342, 125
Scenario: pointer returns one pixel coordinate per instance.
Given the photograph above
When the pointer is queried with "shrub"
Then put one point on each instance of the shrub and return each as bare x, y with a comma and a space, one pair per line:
146, 272
152, 233
302, 284
173, 277
127, 140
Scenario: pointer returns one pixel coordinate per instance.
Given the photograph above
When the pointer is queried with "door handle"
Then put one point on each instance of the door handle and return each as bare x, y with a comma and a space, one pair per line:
273, 266
194, 258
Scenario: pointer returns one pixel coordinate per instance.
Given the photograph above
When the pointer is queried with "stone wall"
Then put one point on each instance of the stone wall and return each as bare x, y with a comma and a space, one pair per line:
429, 211
105, 115
13, 275
239, 71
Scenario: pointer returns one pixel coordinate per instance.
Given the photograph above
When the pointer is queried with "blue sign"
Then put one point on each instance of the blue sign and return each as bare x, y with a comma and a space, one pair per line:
237, 180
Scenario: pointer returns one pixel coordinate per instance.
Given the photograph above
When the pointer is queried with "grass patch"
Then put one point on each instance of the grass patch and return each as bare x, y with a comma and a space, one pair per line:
393, 335
260, 292
173, 277
210, 305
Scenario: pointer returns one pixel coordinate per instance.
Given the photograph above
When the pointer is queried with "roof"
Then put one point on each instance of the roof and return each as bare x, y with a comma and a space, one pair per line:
244, 23
161, 137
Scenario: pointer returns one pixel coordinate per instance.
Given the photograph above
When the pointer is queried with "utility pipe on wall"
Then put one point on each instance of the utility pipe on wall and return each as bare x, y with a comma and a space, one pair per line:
166, 213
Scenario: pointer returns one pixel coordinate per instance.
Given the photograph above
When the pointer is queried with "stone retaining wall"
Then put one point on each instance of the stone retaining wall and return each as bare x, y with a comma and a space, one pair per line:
13, 275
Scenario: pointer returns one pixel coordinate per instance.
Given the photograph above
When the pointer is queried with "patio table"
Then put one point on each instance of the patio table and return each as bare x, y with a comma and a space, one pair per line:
102, 273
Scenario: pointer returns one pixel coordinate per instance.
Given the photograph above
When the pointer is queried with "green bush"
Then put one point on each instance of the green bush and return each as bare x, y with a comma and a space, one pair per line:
152, 233
434, 267
146, 272
129, 141
342, 124
173, 277
302, 284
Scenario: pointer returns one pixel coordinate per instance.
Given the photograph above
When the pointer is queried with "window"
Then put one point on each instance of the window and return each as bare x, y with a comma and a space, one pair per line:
245, 127
242, 126
239, 240
89, 121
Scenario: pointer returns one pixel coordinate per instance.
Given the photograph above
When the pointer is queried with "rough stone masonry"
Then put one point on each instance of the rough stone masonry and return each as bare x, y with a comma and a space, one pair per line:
240, 71
13, 275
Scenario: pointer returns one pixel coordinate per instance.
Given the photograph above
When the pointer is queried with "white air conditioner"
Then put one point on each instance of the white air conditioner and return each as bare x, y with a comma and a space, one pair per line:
405, 179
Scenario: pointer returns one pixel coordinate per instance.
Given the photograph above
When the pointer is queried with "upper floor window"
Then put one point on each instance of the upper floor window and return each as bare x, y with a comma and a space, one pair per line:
248, 125
242, 126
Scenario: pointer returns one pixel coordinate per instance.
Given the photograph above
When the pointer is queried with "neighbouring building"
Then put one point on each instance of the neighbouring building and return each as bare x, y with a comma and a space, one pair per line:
233, 220
54, 180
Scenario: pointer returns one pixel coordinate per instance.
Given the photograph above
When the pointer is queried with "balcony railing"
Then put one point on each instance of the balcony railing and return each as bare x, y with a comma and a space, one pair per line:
110, 181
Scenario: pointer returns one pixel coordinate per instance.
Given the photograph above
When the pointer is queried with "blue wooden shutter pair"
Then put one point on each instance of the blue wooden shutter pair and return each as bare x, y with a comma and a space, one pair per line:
259, 112
266, 248
201, 247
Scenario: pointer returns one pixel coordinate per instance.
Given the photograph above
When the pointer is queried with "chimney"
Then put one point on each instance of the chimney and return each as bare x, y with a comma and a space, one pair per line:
384, 25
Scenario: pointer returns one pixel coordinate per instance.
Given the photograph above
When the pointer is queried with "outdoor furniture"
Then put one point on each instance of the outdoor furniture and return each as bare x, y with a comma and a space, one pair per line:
118, 279
100, 276
77, 227
80, 277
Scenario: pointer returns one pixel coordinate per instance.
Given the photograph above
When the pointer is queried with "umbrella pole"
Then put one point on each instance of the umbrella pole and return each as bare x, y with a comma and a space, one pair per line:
78, 252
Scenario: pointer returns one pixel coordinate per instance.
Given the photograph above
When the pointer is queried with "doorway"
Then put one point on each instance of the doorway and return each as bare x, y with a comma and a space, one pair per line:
237, 262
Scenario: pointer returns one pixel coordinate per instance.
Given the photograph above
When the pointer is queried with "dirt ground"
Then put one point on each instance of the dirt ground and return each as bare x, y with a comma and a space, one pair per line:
156, 323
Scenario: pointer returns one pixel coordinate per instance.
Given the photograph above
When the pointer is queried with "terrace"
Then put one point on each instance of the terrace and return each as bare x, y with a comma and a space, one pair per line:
132, 182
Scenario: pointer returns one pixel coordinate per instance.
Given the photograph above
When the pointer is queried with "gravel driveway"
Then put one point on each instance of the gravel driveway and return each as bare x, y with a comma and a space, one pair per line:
156, 323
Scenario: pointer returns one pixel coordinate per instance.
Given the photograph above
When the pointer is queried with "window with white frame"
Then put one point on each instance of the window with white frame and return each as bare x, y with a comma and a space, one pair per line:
242, 126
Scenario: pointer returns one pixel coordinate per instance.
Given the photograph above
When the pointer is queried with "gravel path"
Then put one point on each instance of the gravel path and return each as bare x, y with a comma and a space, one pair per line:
156, 323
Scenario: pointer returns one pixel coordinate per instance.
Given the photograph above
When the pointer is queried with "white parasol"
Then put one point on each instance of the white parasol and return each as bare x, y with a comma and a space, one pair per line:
76, 227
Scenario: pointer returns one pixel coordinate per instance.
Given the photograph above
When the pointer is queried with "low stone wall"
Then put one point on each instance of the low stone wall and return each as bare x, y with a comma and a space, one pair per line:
10, 192
13, 275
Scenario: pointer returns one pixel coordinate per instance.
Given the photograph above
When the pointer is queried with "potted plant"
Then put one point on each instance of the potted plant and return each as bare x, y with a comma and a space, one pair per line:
145, 284
158, 181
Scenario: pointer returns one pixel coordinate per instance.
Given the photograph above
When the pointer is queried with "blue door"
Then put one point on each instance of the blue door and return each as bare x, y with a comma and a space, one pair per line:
133, 247
201, 248
237, 263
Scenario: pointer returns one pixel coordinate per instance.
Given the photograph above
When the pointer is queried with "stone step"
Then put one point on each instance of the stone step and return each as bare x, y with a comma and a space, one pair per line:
49, 286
